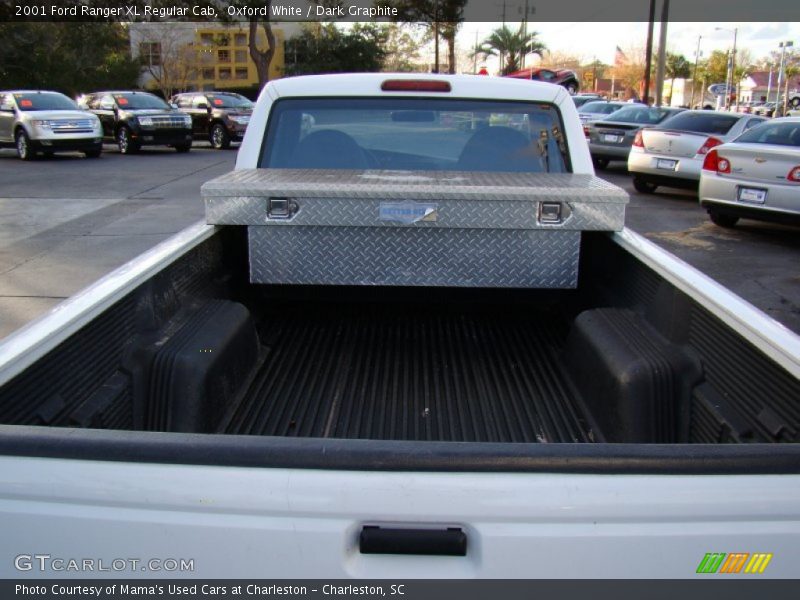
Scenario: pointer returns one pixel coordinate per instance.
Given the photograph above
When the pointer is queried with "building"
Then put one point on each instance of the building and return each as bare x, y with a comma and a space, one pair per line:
755, 86
181, 56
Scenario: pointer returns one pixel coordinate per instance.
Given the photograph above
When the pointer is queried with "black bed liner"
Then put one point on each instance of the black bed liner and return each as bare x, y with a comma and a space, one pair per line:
433, 374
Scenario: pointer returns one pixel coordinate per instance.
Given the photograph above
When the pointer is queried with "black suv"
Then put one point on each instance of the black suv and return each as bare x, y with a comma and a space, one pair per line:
136, 119
219, 117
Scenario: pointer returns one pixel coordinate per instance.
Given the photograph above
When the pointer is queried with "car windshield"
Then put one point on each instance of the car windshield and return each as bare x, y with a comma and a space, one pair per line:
780, 134
229, 101
603, 108
702, 122
48, 101
140, 101
427, 134
645, 115
581, 100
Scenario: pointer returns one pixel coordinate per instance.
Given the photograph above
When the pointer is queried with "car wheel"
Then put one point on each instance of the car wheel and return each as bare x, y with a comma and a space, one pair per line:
600, 163
795, 102
93, 153
126, 144
643, 187
723, 220
572, 88
24, 150
183, 147
219, 137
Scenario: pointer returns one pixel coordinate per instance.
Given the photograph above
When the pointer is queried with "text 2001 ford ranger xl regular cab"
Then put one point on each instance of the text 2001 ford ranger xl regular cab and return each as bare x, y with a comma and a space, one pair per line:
414, 341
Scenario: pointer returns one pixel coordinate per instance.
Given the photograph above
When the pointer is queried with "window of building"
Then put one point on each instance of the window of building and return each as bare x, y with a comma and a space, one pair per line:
241, 73
207, 39
150, 54
224, 56
241, 56
240, 39
208, 73
225, 73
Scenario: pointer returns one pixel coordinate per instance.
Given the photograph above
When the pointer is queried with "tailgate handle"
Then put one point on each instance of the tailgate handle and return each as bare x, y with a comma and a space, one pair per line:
384, 540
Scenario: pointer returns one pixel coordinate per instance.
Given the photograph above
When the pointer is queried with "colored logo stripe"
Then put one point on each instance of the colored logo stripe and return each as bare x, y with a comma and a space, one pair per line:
720, 562
711, 562
758, 563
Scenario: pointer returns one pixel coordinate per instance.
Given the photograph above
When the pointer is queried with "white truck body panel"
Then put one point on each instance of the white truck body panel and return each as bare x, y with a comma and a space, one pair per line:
284, 523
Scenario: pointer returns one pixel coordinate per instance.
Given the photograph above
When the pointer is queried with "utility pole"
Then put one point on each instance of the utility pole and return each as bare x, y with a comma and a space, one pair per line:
734, 84
783, 46
648, 59
694, 76
662, 52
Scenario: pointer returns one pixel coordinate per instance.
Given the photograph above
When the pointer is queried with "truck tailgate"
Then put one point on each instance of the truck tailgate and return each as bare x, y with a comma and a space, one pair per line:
286, 523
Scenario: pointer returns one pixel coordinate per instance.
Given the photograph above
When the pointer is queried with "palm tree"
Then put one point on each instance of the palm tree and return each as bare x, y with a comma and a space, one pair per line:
676, 67
512, 46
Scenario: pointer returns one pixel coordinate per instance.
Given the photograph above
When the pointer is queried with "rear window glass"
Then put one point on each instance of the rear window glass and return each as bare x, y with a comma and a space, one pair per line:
603, 108
419, 134
702, 122
44, 102
781, 134
644, 115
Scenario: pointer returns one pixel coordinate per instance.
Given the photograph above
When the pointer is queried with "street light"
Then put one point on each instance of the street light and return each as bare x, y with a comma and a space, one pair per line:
783, 46
694, 77
732, 68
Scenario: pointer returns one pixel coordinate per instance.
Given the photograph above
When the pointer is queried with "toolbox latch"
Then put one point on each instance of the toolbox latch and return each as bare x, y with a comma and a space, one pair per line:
281, 208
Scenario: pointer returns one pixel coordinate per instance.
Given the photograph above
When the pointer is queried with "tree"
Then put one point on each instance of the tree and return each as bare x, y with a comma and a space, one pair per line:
442, 18
168, 54
513, 46
328, 49
68, 57
716, 67
402, 49
676, 67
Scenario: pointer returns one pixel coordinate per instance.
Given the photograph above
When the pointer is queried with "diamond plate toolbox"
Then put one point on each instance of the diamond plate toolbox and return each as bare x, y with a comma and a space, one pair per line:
450, 228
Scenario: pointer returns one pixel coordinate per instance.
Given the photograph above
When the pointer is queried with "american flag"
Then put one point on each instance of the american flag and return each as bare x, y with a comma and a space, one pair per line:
619, 57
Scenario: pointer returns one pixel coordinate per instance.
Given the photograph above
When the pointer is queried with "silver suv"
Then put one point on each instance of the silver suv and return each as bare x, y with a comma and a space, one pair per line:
47, 122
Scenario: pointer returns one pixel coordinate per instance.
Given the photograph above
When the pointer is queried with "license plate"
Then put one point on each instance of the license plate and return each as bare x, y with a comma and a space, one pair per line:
612, 139
752, 195
664, 163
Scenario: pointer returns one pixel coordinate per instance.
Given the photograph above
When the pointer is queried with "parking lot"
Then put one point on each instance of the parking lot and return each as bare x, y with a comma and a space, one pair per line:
66, 221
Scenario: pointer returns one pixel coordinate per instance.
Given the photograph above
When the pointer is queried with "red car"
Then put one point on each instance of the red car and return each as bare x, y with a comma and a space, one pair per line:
563, 77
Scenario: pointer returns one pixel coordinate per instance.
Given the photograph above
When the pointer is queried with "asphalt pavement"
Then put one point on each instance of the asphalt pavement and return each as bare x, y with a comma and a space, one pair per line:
66, 221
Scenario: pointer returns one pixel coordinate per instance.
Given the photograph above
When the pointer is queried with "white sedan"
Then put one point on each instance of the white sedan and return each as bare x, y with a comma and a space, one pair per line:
672, 154
757, 176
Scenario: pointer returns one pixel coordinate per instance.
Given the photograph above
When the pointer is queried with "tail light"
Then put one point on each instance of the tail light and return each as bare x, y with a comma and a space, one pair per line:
794, 174
708, 145
715, 162
638, 141
415, 85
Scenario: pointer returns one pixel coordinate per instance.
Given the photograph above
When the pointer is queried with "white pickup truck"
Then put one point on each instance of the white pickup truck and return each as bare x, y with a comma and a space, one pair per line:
413, 340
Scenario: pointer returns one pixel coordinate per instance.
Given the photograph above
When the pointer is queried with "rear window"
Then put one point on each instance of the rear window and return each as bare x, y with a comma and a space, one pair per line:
702, 122
603, 108
644, 115
50, 101
781, 134
420, 134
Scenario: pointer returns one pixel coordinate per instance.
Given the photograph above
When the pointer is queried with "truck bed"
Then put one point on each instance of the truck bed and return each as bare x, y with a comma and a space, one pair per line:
398, 372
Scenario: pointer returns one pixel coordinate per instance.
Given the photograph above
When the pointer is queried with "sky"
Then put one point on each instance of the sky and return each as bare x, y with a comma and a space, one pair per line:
599, 40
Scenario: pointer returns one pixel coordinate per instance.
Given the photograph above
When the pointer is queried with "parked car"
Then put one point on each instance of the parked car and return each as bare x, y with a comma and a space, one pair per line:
611, 138
765, 110
598, 109
563, 77
134, 119
219, 117
672, 153
36, 122
581, 99
757, 176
